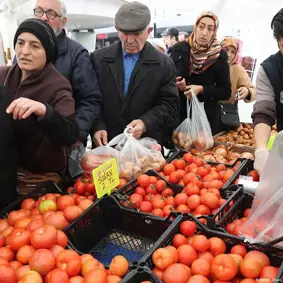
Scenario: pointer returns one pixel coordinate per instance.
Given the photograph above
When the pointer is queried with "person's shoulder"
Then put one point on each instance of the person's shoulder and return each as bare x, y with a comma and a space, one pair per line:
75, 45
182, 46
223, 55
58, 79
105, 51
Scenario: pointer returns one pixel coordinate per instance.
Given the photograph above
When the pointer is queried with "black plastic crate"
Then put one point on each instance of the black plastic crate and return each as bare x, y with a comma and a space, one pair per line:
106, 230
230, 193
233, 213
140, 274
275, 254
48, 187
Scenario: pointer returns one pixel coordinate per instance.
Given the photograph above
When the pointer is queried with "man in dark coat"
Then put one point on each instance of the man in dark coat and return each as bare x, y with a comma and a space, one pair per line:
74, 64
138, 82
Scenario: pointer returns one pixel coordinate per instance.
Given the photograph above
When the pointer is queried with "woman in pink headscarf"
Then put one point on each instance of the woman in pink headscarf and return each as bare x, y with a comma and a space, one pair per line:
202, 67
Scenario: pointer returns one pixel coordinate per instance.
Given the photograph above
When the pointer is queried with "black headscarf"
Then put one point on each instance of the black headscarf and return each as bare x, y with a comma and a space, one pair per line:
44, 32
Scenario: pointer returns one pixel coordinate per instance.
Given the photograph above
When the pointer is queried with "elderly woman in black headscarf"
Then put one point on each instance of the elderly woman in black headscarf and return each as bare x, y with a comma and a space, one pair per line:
42, 107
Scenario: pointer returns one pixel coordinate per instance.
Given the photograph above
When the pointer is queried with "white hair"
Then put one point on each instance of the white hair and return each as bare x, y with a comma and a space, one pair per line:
63, 8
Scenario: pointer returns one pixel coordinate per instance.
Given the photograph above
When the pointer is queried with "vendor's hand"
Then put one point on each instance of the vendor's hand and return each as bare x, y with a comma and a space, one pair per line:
196, 88
243, 93
100, 138
22, 108
137, 128
181, 84
261, 156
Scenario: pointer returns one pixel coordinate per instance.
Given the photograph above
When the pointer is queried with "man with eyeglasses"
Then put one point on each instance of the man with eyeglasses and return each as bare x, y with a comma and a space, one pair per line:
74, 64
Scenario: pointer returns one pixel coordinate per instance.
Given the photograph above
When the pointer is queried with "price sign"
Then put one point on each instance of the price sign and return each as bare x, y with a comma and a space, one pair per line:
106, 177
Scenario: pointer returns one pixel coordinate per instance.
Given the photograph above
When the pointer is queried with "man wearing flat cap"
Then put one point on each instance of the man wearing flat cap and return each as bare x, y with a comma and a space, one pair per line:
137, 81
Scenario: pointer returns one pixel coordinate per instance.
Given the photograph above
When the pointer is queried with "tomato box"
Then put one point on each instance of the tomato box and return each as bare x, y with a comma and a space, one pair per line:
48, 187
210, 247
140, 274
107, 230
161, 201
185, 163
246, 169
231, 220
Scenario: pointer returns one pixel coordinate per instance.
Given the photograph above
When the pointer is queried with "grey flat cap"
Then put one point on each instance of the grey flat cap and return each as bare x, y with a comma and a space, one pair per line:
132, 17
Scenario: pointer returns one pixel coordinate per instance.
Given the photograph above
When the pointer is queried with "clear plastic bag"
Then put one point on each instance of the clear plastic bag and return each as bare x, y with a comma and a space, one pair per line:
136, 156
200, 129
265, 220
75, 154
97, 157
182, 138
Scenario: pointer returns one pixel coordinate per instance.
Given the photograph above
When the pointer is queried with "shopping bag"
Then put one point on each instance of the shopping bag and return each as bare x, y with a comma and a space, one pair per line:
136, 156
200, 129
182, 138
265, 221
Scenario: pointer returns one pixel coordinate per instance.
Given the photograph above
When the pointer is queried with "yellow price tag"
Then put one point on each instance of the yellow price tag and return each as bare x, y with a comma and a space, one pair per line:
106, 177
270, 142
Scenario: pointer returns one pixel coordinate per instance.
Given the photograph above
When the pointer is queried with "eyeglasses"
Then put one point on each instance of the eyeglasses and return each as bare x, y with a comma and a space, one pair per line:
50, 14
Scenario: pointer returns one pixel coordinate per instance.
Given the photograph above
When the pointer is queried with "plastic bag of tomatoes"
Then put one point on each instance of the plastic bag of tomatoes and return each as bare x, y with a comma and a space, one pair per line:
265, 219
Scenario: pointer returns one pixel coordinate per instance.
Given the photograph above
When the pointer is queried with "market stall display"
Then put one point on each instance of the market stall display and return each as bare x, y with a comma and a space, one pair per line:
153, 195
243, 136
183, 168
227, 154
189, 252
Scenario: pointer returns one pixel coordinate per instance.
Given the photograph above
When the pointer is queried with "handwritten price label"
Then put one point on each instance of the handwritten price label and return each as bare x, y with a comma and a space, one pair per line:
106, 177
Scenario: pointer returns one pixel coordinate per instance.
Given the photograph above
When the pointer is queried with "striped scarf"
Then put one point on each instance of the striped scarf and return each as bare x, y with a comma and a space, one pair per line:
202, 57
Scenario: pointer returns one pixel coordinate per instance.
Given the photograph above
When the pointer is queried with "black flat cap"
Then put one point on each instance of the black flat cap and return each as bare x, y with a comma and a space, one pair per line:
132, 17
170, 32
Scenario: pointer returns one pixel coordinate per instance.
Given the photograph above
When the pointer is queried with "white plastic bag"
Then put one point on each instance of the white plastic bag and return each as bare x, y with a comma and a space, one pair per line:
134, 158
265, 222
182, 134
200, 130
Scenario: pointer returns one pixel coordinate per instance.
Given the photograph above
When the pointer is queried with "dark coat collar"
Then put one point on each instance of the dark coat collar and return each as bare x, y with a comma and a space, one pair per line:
62, 40
147, 55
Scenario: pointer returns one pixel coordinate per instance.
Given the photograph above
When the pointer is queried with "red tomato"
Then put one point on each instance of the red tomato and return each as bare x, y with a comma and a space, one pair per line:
146, 206
44, 237
180, 198
70, 262
140, 191
168, 169
18, 238
143, 180
175, 177
158, 212
135, 200
150, 189
188, 158
160, 185
80, 187
167, 192
188, 228
179, 240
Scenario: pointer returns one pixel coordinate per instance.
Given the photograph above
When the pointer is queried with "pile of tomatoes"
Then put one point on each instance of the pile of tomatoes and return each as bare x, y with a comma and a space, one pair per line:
152, 195
181, 171
84, 186
40, 256
195, 258
51, 209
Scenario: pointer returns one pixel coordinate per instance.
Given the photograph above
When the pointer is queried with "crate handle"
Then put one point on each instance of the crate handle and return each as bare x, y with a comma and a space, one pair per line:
274, 242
